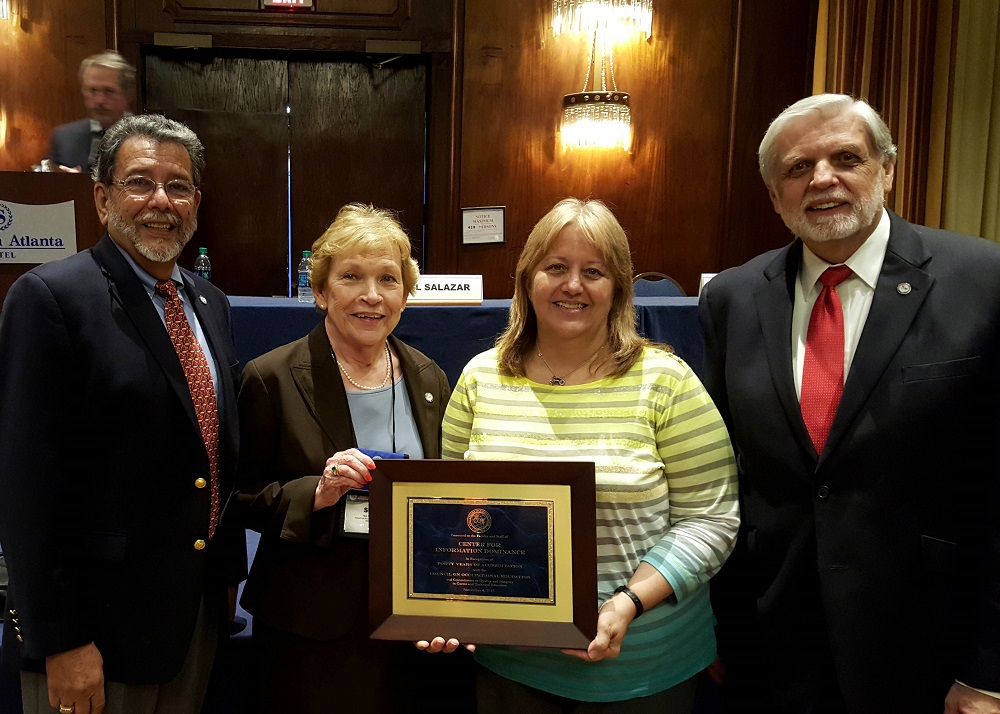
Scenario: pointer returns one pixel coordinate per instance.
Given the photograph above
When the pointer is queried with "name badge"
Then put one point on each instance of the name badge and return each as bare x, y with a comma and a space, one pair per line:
355, 520
355, 523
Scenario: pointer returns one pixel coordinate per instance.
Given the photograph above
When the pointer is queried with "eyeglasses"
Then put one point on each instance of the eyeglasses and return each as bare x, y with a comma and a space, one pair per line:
142, 187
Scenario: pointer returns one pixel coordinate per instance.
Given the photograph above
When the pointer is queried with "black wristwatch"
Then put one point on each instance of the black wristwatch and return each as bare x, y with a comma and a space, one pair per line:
639, 609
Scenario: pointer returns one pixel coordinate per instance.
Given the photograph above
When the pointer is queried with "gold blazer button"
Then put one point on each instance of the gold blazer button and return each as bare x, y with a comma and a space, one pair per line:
199, 544
200, 483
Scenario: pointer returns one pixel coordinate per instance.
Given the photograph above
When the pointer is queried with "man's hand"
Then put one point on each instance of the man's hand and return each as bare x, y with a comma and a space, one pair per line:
963, 700
76, 679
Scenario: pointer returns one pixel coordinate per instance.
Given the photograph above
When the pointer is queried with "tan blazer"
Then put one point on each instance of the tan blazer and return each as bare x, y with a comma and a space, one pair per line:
306, 578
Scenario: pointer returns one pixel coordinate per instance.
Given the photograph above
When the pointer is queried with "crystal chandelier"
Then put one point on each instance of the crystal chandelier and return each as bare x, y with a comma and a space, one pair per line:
616, 16
599, 117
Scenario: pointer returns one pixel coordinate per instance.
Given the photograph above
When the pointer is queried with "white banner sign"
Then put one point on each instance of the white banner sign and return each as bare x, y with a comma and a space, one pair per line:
36, 233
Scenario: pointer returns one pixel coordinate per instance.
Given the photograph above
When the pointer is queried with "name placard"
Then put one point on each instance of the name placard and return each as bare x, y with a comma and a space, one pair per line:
36, 233
448, 290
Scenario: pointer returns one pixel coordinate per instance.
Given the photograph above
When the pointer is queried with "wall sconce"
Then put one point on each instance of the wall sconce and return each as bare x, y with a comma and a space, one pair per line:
4, 9
600, 117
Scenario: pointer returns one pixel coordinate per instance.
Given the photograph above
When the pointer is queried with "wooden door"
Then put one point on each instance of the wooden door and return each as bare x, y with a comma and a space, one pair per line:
289, 138
358, 134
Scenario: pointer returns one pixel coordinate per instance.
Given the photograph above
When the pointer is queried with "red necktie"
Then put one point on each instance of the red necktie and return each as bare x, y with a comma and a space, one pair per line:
823, 371
199, 380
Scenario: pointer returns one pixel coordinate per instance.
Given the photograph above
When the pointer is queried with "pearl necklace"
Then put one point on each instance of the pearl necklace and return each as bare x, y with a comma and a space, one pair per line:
561, 381
385, 381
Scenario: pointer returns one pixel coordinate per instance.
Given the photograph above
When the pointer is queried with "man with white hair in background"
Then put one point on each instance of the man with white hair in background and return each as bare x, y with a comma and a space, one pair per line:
107, 83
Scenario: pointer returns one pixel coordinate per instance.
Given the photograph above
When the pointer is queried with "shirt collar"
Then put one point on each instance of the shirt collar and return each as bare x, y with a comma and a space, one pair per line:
96, 128
147, 280
866, 262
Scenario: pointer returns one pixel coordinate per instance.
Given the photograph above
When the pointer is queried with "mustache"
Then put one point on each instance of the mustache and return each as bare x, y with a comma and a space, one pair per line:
825, 197
158, 217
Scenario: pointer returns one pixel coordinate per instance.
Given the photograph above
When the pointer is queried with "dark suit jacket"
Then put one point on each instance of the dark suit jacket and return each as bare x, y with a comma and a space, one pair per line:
69, 144
306, 578
101, 449
880, 557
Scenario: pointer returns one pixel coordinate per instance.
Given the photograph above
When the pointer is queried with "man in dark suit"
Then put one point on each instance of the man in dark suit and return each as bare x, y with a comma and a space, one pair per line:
119, 447
865, 420
106, 82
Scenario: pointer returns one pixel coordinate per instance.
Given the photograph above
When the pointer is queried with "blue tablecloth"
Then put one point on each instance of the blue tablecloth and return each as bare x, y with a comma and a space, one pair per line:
452, 334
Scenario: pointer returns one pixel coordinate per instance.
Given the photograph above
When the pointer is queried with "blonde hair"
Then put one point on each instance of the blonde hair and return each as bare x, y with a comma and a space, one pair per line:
361, 228
601, 228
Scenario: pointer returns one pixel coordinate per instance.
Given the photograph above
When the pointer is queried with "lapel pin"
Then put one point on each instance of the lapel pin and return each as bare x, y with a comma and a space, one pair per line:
205, 302
428, 397
904, 288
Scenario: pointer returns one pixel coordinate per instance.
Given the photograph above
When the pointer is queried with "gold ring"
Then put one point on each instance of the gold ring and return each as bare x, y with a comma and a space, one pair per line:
63, 709
334, 471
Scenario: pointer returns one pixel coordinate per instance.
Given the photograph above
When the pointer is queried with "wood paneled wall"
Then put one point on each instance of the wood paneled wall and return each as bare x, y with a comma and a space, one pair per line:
696, 124
704, 88
667, 192
41, 48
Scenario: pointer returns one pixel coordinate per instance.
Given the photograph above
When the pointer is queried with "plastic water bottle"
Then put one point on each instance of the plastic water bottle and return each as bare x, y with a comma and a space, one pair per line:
202, 265
305, 292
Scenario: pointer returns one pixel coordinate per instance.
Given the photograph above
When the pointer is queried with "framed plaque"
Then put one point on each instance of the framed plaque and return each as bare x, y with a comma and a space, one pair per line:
488, 552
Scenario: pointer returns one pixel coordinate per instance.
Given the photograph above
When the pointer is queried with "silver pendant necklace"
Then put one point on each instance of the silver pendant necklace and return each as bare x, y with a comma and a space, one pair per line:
388, 370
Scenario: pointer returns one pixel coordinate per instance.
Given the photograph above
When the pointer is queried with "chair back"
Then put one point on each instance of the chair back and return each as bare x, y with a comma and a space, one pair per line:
653, 284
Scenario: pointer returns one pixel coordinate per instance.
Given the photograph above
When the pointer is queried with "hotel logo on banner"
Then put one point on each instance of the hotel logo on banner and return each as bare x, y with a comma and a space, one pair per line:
36, 233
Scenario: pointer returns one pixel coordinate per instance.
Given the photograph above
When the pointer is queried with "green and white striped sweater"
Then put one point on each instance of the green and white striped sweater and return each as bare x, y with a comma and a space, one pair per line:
666, 495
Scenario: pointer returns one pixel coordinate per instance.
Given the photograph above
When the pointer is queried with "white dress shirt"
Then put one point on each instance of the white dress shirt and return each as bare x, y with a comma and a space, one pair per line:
856, 294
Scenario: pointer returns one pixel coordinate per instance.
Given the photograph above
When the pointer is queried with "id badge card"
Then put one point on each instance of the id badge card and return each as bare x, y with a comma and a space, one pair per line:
354, 523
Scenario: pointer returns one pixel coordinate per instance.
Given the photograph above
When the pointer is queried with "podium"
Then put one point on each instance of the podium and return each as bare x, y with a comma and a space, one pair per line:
30, 187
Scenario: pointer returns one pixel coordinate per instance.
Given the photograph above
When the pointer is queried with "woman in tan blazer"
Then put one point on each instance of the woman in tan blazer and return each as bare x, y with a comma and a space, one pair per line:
309, 412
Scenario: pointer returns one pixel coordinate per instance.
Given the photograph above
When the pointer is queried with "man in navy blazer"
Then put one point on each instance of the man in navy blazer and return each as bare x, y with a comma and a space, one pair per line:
867, 572
109, 514
106, 83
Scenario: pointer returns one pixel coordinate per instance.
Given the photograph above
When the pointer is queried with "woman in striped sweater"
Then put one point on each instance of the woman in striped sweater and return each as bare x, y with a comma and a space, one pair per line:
571, 379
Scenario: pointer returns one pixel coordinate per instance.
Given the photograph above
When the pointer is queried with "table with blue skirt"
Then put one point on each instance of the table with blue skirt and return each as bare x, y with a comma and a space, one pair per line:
451, 335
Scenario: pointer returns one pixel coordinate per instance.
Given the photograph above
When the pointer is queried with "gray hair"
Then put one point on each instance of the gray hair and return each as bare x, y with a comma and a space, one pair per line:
826, 106
151, 126
111, 60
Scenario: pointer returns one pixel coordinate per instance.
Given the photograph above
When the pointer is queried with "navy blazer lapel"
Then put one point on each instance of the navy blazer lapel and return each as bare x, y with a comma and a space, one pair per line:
209, 324
902, 287
131, 296
317, 374
774, 312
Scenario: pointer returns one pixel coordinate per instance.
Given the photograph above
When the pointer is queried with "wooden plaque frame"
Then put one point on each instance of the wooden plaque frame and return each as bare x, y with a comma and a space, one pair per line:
569, 622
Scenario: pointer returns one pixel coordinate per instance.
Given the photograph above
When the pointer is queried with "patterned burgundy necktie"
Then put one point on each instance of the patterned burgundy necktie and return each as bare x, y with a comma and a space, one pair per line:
199, 380
823, 371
